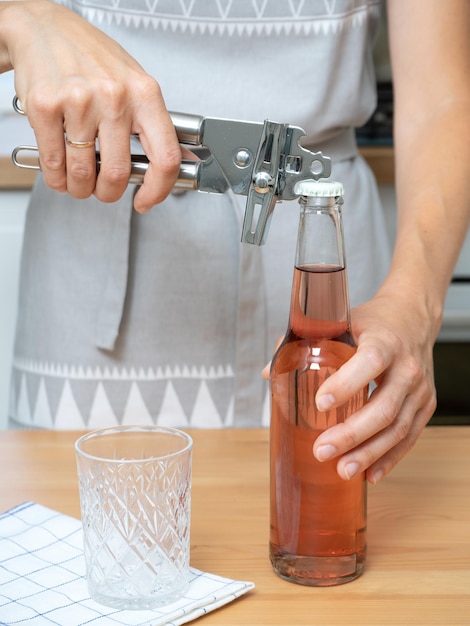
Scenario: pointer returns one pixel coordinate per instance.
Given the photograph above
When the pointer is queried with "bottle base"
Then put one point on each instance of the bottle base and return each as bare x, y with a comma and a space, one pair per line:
318, 571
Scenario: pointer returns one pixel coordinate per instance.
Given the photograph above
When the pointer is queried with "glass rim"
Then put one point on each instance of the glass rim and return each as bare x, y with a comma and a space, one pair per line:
94, 434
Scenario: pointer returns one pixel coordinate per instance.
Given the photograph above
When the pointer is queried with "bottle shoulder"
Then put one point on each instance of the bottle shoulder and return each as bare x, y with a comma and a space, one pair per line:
303, 354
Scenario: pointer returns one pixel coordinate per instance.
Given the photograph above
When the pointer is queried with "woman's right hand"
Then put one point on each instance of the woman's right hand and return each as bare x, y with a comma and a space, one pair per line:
74, 81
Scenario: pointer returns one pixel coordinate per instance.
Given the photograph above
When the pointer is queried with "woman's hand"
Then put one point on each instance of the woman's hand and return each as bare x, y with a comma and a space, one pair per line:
71, 78
395, 343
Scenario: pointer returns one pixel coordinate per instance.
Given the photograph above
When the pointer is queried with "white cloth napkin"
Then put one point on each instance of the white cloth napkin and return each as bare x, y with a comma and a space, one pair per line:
42, 578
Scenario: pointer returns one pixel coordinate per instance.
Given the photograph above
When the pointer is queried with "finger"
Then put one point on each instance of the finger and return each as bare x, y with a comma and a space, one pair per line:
381, 410
88, 114
386, 462
66, 165
160, 143
115, 156
80, 133
365, 366
265, 371
383, 452
363, 456
267, 368
80, 161
47, 121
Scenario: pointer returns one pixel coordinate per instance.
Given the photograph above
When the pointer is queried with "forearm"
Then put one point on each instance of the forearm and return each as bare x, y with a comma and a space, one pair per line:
433, 199
432, 121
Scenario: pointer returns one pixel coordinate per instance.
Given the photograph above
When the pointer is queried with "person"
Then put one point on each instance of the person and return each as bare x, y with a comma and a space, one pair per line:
160, 314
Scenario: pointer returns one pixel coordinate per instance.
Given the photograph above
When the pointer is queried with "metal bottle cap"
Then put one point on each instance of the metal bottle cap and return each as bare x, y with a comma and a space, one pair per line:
319, 189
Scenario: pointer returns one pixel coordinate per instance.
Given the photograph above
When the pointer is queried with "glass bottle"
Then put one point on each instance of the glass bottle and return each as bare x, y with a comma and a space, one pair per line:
318, 520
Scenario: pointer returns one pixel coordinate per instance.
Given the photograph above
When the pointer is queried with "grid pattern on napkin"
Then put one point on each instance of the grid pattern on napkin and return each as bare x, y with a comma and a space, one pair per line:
42, 578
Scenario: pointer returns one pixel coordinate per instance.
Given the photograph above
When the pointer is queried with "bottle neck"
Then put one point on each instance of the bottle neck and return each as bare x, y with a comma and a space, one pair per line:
320, 237
320, 298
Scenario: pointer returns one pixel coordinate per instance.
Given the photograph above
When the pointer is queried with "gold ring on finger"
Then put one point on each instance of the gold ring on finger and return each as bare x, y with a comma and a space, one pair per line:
79, 144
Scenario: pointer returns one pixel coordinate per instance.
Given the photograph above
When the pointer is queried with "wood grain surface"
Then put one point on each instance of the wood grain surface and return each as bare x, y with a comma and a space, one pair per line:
418, 565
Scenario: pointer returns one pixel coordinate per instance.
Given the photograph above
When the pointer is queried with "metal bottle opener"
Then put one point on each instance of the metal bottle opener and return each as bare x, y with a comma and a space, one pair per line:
262, 161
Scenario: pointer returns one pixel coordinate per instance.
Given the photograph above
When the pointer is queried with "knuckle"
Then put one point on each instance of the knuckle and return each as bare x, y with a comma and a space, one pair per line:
164, 177
369, 457
401, 431
427, 397
432, 403
405, 445
350, 439
39, 105
170, 163
78, 97
411, 438
53, 162
388, 410
148, 88
376, 358
412, 369
115, 97
81, 171
116, 172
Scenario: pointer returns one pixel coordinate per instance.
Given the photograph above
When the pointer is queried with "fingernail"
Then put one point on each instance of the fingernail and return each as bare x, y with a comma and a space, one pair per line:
326, 452
351, 470
377, 476
325, 402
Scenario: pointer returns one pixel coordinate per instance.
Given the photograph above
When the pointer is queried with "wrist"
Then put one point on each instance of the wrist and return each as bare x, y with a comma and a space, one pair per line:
413, 298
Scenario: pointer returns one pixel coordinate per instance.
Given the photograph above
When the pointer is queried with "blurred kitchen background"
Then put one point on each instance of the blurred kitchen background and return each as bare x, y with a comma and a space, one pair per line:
452, 350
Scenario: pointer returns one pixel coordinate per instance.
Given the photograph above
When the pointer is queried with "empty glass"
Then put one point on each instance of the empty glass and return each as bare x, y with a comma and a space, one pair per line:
135, 496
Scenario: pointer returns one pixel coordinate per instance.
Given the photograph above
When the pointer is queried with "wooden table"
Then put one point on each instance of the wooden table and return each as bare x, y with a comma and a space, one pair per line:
418, 567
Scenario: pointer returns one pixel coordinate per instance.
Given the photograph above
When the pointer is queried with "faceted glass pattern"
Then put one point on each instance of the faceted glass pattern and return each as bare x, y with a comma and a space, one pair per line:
136, 514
